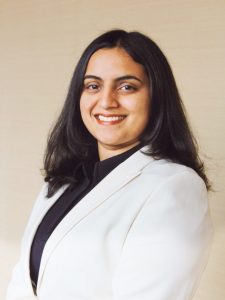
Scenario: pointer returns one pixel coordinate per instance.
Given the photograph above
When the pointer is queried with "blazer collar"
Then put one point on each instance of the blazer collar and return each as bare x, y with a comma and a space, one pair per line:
120, 176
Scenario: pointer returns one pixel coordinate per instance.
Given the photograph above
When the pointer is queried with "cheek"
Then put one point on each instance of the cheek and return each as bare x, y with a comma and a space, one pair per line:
85, 107
141, 113
144, 105
82, 107
139, 107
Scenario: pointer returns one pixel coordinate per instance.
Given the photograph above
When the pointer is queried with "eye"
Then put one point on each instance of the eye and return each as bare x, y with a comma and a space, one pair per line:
91, 87
128, 88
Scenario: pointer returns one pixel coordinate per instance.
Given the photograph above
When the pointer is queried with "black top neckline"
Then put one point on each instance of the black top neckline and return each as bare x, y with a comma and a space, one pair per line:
95, 170
104, 167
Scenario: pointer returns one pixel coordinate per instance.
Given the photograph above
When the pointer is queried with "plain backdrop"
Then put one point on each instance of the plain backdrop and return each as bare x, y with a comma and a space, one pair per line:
40, 43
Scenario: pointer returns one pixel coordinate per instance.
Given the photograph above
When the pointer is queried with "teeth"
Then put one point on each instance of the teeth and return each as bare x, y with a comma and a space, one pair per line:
110, 119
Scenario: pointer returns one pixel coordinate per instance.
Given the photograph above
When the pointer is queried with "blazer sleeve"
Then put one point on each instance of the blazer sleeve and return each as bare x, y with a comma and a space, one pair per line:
167, 246
20, 287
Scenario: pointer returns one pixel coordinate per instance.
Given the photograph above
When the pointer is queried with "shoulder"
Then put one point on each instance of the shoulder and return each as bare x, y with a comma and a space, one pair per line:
164, 172
176, 190
176, 199
174, 186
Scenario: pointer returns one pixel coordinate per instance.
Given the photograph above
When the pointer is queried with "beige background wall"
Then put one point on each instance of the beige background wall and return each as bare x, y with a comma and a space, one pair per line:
40, 41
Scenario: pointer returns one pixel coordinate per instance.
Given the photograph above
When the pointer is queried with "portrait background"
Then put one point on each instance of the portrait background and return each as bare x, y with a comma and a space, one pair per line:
41, 41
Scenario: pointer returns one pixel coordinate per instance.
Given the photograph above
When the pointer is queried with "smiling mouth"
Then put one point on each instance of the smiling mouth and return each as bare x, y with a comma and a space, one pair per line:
109, 119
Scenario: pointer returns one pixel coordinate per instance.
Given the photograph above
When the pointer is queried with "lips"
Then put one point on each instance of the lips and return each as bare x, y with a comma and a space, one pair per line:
109, 119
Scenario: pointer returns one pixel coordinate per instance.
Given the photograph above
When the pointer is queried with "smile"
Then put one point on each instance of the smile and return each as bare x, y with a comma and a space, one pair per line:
110, 119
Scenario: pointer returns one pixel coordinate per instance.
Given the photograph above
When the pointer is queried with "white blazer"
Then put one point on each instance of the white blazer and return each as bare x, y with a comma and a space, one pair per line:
143, 233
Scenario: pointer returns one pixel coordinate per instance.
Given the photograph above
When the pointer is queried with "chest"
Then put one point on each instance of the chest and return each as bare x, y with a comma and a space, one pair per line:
91, 250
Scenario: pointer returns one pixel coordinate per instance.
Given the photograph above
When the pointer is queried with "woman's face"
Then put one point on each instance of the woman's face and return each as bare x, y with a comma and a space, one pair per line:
115, 101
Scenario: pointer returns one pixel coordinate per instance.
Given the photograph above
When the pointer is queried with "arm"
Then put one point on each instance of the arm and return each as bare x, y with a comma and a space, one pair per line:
167, 246
20, 287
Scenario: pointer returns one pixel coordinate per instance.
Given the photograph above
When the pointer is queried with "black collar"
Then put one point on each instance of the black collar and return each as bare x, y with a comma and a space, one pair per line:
95, 170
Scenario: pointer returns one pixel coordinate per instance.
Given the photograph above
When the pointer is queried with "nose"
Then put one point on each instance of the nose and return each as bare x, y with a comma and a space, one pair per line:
108, 99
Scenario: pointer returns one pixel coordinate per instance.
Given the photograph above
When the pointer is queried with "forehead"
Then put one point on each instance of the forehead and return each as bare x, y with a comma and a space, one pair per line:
114, 62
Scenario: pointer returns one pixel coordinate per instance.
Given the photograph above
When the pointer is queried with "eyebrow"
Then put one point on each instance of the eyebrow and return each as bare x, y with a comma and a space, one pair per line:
125, 77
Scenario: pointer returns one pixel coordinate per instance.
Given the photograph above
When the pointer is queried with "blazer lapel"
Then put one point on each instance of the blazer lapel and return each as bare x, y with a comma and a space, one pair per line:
115, 180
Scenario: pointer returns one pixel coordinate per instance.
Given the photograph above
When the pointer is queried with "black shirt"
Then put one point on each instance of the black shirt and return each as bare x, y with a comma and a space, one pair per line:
89, 176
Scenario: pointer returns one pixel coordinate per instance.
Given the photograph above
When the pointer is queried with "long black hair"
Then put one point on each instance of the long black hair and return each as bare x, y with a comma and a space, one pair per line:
167, 132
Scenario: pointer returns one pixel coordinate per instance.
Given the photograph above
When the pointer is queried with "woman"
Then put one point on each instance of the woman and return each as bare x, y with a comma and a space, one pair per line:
123, 214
